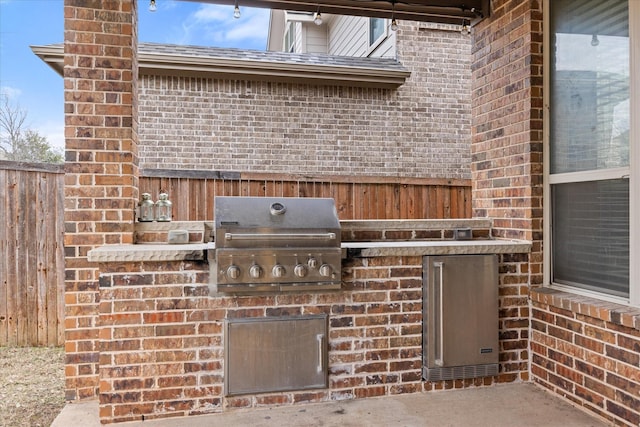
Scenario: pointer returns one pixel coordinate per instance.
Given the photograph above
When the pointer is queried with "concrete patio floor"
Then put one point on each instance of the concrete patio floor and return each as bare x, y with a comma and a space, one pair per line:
508, 405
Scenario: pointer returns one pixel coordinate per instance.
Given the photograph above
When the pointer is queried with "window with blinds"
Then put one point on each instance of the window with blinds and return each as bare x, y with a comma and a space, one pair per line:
589, 145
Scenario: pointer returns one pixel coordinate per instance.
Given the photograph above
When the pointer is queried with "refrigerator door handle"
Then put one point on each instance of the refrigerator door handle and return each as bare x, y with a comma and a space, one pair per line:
439, 330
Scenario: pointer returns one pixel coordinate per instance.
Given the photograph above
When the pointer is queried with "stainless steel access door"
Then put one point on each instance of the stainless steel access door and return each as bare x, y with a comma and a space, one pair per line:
275, 354
460, 324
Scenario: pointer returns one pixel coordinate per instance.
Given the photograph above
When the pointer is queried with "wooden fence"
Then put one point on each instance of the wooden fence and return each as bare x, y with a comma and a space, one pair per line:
192, 193
31, 254
32, 223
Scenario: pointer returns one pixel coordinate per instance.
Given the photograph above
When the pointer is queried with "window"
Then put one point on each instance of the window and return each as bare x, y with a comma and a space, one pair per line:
376, 31
290, 38
590, 169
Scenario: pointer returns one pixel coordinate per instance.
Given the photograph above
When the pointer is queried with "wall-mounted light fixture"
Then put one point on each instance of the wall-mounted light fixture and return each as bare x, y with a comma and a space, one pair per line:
236, 11
152, 6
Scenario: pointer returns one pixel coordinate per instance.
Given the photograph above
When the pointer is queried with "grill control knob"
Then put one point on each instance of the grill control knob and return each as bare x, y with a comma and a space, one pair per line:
233, 272
278, 270
255, 271
312, 262
326, 270
300, 270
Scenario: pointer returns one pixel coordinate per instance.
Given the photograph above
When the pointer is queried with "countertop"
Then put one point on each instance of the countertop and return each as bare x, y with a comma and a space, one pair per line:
198, 251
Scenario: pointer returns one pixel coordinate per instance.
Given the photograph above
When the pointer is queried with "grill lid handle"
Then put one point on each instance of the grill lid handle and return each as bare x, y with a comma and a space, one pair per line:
279, 236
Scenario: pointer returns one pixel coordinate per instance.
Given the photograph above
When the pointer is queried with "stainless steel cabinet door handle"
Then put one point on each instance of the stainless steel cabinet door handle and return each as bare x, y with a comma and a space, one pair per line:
320, 340
438, 303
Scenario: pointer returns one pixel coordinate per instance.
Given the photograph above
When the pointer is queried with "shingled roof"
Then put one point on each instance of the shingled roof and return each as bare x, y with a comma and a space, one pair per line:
182, 60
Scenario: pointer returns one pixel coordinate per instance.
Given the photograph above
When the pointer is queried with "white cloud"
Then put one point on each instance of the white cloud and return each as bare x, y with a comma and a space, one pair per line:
215, 25
254, 27
53, 131
212, 13
10, 92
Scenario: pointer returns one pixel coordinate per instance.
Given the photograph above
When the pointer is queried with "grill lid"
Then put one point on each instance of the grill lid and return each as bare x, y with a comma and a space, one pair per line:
267, 244
275, 222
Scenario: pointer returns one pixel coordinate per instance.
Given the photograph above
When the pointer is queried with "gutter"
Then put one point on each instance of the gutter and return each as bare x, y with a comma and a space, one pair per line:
251, 69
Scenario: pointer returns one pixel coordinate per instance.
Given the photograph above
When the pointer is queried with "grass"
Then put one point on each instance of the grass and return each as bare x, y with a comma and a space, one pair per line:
31, 385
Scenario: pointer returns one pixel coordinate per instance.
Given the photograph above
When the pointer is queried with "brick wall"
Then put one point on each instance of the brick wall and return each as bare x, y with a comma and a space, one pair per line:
507, 120
589, 352
582, 349
507, 126
101, 165
162, 352
418, 130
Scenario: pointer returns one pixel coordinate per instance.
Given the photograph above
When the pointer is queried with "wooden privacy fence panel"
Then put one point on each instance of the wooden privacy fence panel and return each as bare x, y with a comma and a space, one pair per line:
192, 193
32, 255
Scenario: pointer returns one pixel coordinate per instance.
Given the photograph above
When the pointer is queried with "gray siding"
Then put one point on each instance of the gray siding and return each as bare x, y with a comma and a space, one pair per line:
315, 38
348, 36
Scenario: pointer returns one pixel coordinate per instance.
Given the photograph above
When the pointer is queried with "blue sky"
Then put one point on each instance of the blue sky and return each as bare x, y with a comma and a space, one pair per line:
38, 90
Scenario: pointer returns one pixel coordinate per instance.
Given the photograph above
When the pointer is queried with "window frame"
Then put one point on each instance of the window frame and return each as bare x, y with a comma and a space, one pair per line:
290, 36
372, 45
632, 172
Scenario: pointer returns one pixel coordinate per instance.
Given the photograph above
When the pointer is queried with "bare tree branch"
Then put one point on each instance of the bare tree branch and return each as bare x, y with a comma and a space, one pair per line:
18, 143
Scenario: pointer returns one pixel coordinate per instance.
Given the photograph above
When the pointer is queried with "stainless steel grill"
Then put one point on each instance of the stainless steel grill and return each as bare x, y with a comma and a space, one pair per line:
266, 244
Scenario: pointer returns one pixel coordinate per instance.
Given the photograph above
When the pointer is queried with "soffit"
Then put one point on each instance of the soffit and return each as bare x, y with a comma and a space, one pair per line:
439, 11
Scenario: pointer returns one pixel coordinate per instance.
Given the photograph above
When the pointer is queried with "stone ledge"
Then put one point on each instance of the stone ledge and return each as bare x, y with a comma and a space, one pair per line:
197, 252
149, 252
440, 247
612, 312
413, 224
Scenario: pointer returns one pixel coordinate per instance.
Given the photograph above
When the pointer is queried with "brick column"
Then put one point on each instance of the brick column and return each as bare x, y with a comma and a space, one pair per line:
101, 171
507, 124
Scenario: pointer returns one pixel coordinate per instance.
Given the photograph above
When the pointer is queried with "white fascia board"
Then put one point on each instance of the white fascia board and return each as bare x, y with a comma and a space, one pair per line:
290, 16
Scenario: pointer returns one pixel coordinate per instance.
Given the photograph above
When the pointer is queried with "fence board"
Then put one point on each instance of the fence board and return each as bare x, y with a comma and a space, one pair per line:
372, 198
4, 254
32, 261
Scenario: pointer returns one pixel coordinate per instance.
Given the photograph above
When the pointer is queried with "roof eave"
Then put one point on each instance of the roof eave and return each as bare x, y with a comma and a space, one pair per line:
185, 65
52, 55
271, 70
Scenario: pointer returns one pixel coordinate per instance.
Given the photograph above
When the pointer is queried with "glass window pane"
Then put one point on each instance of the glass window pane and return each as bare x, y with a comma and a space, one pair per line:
590, 228
589, 86
376, 29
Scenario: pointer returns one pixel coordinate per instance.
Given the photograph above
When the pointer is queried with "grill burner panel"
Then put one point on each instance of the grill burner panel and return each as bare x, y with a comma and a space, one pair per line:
275, 244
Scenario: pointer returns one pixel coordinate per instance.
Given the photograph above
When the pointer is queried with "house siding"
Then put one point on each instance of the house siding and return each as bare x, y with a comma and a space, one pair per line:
315, 38
298, 37
348, 36
386, 49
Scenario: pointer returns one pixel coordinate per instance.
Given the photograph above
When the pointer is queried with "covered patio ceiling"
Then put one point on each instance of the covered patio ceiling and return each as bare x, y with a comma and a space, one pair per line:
439, 11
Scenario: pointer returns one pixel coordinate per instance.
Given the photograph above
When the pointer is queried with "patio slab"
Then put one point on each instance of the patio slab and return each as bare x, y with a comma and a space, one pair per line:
523, 405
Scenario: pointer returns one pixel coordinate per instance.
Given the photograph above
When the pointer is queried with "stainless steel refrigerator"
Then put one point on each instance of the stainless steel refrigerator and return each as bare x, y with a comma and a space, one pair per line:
460, 317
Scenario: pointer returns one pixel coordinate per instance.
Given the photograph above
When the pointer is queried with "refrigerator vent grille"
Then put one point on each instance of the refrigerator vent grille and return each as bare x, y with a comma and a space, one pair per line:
460, 372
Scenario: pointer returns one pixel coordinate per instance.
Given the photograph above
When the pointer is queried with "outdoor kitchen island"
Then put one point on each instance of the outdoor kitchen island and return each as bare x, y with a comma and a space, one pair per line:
162, 331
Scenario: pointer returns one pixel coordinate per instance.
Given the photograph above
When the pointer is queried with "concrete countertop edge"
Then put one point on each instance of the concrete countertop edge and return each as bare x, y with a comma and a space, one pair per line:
197, 251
